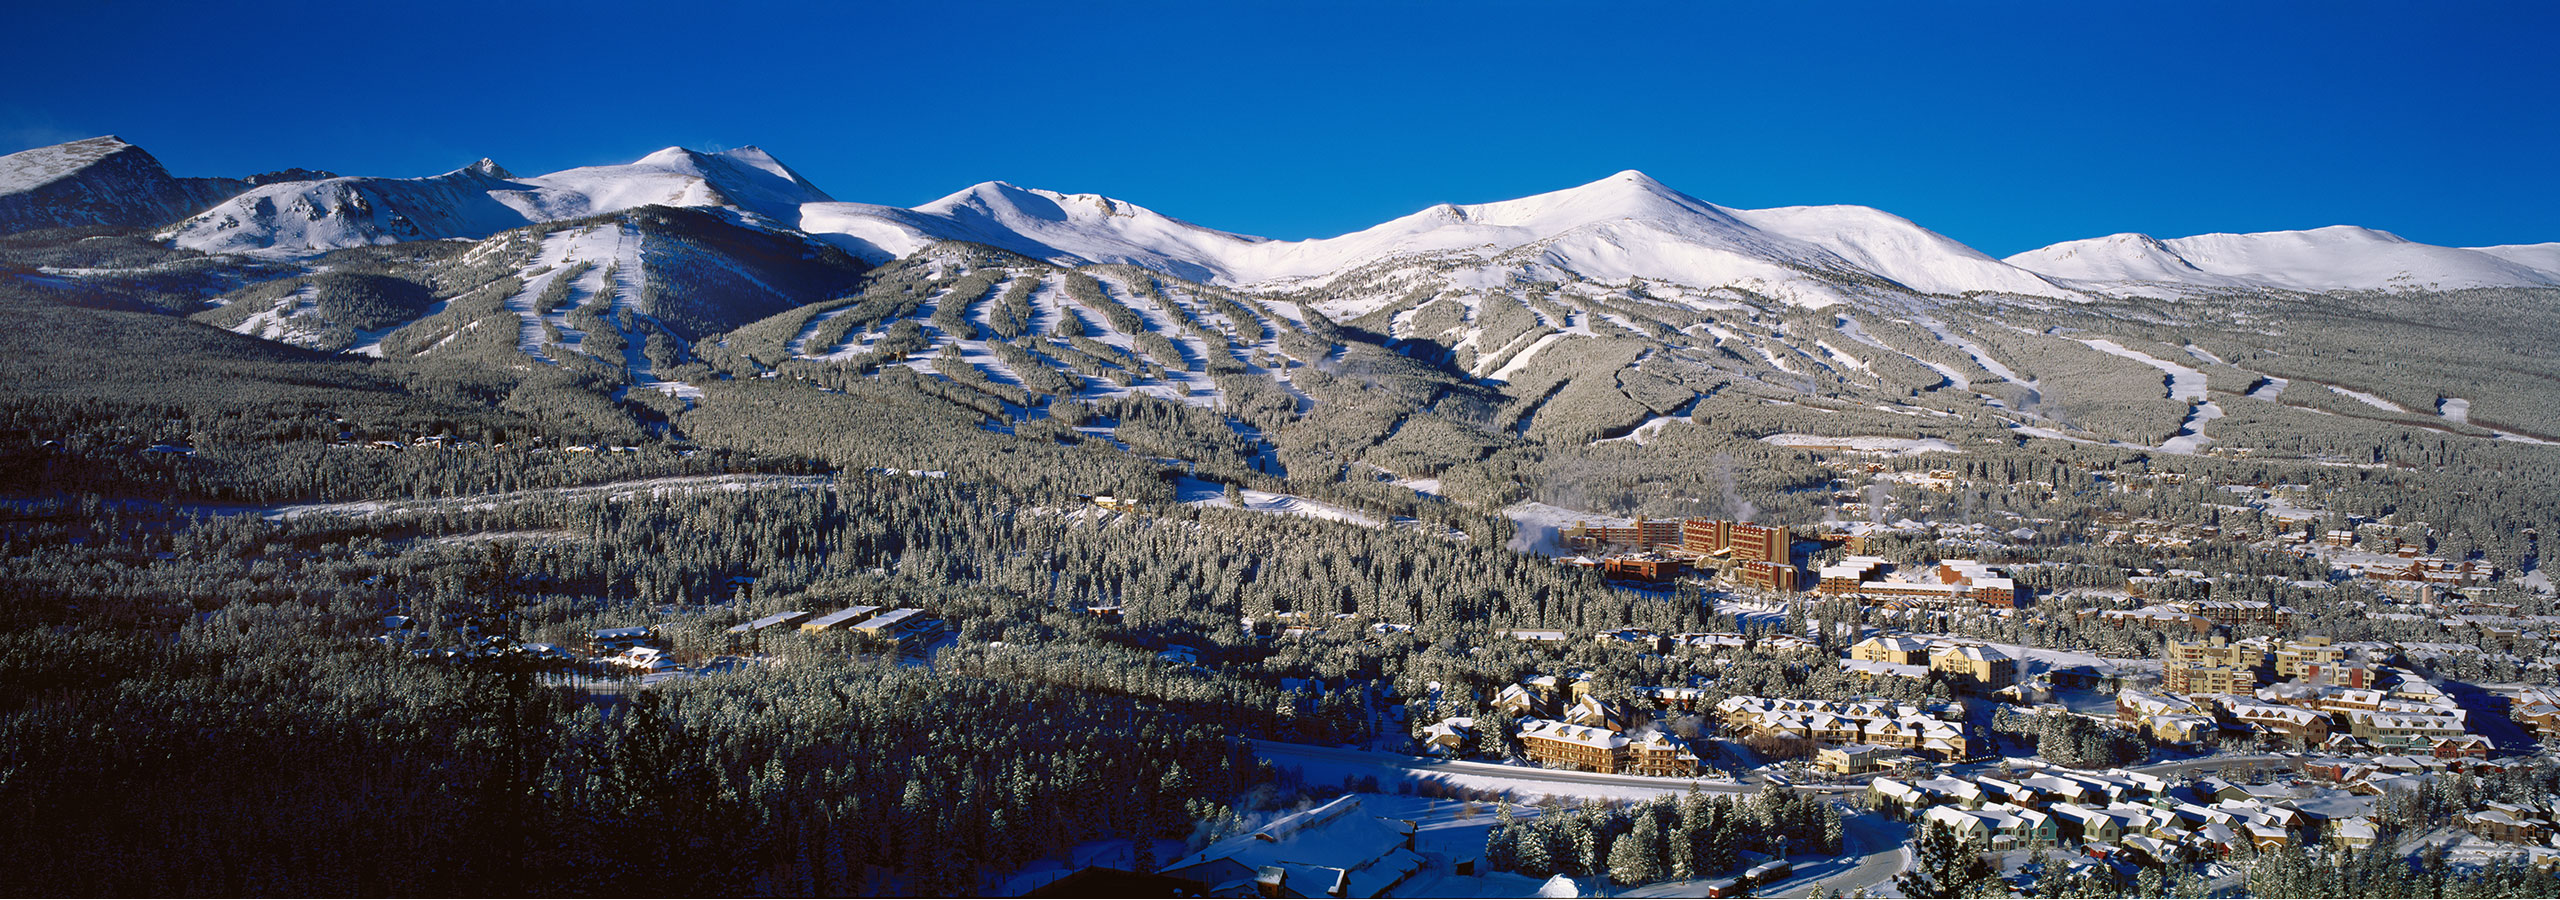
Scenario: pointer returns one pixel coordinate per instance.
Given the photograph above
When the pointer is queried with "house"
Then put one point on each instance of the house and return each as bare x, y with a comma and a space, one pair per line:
1334, 850
2087, 825
776, 620
1907, 796
901, 625
1980, 667
1562, 745
1854, 759
2507, 824
2469, 746
2274, 719
1609, 714
1899, 650
605, 641
2354, 833
1448, 736
1655, 753
839, 620
1526, 701
2404, 730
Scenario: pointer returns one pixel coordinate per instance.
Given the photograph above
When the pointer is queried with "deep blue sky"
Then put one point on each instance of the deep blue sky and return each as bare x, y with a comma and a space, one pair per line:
2003, 125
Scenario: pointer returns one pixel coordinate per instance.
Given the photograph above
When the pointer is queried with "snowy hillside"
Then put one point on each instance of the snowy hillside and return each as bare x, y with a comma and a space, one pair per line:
2339, 257
1625, 226
99, 181
483, 199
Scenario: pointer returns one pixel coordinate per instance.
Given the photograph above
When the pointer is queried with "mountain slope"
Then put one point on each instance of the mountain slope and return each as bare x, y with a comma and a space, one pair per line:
2336, 258
99, 181
483, 199
1625, 226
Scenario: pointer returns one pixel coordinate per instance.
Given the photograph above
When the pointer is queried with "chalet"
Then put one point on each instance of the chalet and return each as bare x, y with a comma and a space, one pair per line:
1448, 736
1594, 712
1661, 755
2273, 719
1633, 639
1855, 759
1525, 701
605, 641
2469, 746
2507, 823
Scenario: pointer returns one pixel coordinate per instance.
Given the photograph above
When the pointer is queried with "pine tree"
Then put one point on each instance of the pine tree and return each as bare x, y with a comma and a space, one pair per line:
1636, 857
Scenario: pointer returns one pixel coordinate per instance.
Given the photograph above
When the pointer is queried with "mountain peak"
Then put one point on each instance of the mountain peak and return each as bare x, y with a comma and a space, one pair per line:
488, 167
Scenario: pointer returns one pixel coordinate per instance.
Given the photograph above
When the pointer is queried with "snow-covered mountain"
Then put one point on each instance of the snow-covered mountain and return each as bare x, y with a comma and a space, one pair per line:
99, 181
2339, 257
1040, 224
482, 199
1625, 226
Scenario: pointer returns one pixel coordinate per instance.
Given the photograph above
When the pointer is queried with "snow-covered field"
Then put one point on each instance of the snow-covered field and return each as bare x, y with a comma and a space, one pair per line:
1191, 491
1865, 444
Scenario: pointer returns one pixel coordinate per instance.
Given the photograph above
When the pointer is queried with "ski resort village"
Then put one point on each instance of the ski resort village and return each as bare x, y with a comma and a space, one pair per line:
643, 520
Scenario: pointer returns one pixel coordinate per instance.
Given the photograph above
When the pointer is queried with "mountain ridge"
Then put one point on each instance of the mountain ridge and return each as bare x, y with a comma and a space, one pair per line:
1615, 229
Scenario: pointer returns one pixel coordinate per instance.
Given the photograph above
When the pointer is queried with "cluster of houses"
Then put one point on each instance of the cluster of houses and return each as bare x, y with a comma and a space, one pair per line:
2197, 616
2115, 811
1949, 583
1970, 666
1563, 724
2331, 698
1855, 737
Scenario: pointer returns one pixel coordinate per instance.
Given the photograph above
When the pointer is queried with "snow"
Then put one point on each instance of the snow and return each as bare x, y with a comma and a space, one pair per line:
2455, 409
607, 251
2271, 389
1521, 361
1538, 522
1621, 227
1190, 491
1866, 444
27, 170
1652, 428
2544, 257
2370, 400
275, 324
2184, 383
2190, 439
483, 199
2339, 257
